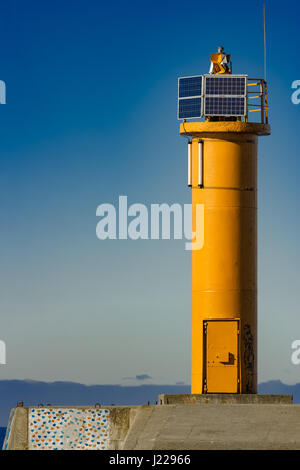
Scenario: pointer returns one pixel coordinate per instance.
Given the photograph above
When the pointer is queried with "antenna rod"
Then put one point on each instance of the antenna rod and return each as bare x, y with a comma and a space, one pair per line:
265, 43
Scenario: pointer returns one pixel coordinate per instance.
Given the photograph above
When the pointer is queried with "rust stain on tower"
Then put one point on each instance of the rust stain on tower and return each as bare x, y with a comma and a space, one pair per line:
222, 173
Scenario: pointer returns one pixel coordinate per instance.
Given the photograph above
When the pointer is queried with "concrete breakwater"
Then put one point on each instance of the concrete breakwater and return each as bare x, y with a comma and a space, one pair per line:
178, 422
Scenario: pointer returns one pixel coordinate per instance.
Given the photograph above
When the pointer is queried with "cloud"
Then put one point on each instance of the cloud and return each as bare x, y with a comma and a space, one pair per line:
138, 377
143, 377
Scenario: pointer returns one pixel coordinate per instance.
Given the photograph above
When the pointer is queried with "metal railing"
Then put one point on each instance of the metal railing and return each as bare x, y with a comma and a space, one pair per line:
260, 95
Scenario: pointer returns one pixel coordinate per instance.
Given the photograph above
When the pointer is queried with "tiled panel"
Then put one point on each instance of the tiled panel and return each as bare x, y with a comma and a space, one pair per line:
68, 428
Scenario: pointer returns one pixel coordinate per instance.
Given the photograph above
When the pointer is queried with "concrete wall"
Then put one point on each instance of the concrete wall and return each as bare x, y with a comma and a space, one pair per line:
207, 425
70, 428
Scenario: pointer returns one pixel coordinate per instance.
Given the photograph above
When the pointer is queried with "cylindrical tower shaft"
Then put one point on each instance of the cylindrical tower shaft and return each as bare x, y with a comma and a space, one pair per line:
224, 270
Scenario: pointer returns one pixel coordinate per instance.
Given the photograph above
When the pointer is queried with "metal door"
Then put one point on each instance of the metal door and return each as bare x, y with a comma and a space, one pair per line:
221, 356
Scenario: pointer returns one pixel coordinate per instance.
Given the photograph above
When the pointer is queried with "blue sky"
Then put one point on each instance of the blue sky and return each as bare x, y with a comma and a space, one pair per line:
91, 115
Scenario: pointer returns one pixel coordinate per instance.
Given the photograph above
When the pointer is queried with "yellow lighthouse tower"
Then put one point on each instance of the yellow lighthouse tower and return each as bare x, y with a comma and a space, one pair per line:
222, 173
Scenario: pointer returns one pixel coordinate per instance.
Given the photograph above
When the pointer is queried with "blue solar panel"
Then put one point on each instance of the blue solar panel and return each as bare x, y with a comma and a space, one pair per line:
223, 95
224, 106
189, 108
190, 86
225, 85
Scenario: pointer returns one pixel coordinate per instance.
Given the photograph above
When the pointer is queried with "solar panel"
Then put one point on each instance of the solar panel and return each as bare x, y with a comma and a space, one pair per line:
190, 86
224, 106
212, 95
190, 108
225, 95
190, 97
225, 85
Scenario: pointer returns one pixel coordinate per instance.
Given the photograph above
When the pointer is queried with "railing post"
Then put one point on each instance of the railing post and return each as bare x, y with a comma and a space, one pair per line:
262, 102
266, 103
